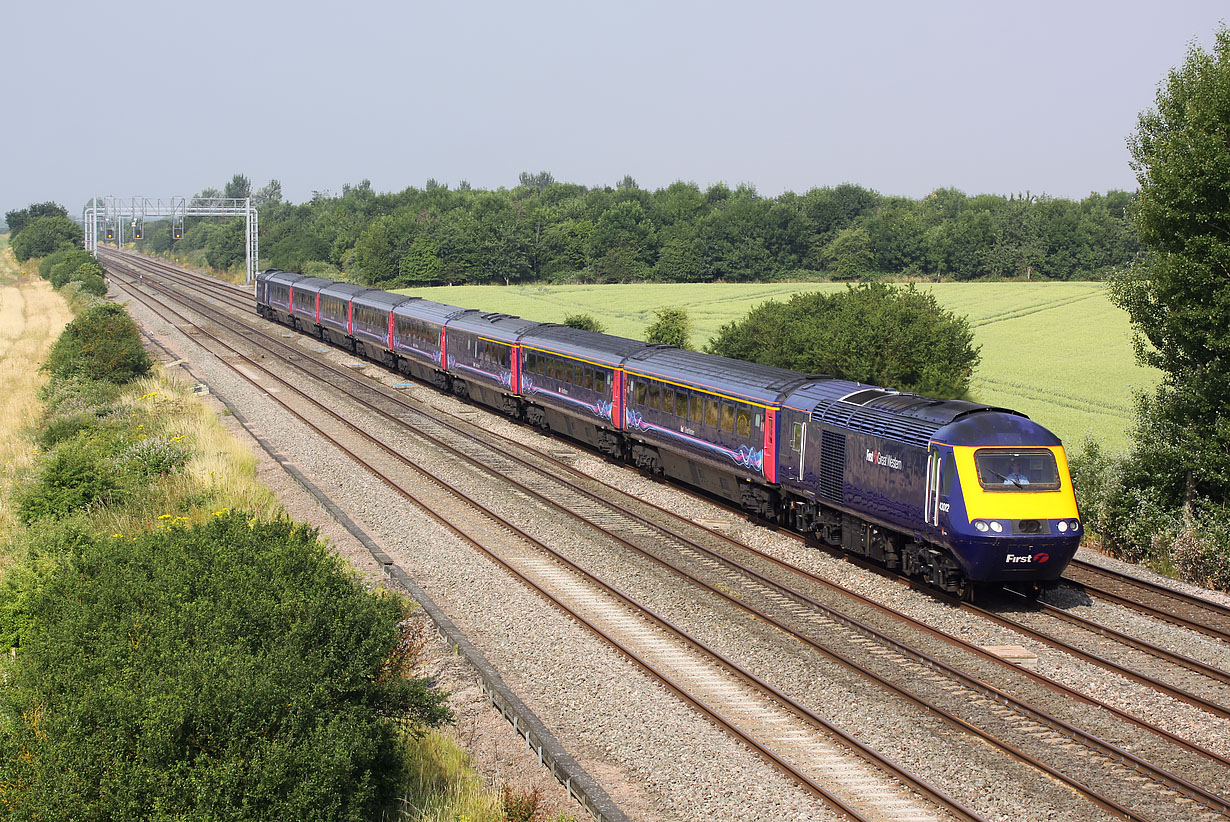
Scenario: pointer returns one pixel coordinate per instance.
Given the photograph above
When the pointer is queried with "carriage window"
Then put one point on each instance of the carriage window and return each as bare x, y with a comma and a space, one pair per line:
743, 423
711, 412
655, 396
589, 379
641, 392
600, 382
504, 358
796, 437
728, 418
696, 409
567, 372
681, 404
668, 401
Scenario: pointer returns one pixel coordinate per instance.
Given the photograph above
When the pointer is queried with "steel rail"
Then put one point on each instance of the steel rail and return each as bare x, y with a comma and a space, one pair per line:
874, 758
742, 606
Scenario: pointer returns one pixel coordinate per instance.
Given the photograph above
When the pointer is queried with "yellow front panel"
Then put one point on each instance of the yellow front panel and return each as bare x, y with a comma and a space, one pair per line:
983, 504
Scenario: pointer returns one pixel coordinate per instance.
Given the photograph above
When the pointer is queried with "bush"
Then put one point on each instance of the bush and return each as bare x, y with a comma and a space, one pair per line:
60, 273
153, 456
873, 333
90, 282
101, 344
44, 235
50, 261
72, 479
671, 326
585, 322
233, 670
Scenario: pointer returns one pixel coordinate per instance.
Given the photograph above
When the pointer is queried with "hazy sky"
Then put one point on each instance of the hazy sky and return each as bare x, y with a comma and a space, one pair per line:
164, 99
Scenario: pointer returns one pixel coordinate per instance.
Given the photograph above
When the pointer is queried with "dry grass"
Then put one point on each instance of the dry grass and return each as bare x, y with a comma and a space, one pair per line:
221, 472
443, 786
31, 316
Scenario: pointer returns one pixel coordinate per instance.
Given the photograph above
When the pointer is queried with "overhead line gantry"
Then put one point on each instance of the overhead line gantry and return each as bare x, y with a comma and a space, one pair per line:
114, 213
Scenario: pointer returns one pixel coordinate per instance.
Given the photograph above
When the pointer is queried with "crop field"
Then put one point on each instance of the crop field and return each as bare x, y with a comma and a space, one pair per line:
1059, 352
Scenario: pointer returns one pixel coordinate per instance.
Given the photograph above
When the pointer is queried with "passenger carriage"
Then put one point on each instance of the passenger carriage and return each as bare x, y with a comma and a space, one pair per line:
419, 339
572, 382
480, 353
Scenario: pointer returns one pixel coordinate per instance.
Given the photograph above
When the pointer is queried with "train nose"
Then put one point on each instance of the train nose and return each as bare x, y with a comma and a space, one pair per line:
1029, 526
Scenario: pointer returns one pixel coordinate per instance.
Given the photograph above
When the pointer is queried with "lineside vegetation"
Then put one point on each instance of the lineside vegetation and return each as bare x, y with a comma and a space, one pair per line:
179, 648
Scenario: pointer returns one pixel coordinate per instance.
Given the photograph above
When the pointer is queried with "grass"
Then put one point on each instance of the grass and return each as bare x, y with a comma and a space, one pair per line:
31, 316
1059, 352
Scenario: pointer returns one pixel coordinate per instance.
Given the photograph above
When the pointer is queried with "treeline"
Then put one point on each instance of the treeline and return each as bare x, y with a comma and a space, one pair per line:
547, 231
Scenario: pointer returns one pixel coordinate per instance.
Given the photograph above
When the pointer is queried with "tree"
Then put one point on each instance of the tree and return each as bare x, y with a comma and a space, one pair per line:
44, 235
270, 193
18, 218
421, 263
239, 188
539, 181
585, 322
1178, 295
872, 332
671, 326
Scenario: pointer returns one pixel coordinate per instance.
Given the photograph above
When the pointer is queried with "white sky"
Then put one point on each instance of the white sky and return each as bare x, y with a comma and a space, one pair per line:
163, 99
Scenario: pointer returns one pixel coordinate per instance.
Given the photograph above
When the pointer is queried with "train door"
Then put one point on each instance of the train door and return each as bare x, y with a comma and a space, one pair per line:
794, 431
941, 474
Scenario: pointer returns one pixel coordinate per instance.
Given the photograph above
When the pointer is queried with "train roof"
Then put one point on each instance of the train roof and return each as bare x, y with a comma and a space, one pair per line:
905, 417
311, 284
344, 290
383, 300
503, 327
588, 345
762, 384
277, 275
430, 310
996, 426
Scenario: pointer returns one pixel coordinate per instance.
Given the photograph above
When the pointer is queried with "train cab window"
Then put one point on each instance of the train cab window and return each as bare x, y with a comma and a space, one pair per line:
600, 381
743, 423
1008, 469
589, 379
655, 396
796, 437
696, 408
711, 412
728, 418
642, 392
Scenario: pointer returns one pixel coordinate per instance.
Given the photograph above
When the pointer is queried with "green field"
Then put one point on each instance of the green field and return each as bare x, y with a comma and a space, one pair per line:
1059, 352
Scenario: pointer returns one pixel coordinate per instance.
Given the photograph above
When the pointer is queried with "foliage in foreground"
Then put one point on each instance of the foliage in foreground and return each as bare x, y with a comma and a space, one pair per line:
231, 668
1166, 501
873, 333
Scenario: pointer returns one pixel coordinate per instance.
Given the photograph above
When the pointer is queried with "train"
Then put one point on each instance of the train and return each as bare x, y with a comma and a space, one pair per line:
956, 494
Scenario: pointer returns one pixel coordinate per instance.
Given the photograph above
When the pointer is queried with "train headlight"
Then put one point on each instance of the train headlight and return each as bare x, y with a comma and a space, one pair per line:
1063, 526
981, 526
996, 527
1076, 525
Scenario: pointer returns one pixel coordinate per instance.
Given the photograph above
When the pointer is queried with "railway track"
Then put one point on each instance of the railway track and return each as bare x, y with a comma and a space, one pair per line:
1022, 722
851, 777
1151, 599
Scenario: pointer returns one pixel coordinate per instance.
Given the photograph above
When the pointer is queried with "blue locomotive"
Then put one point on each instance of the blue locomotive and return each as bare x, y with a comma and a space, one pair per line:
950, 492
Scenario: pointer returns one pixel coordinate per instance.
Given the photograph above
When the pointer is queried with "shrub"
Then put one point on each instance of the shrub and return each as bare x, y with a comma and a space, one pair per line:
671, 326
153, 456
50, 261
71, 480
59, 429
873, 333
235, 670
44, 235
102, 344
90, 282
60, 273
585, 322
